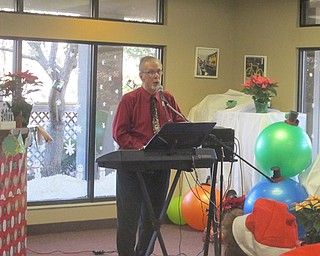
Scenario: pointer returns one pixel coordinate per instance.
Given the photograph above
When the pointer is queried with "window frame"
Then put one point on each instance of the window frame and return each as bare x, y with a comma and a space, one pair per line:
301, 101
303, 15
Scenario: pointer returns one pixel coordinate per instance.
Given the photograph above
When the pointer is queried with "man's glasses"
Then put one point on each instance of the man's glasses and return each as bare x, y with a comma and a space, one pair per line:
153, 72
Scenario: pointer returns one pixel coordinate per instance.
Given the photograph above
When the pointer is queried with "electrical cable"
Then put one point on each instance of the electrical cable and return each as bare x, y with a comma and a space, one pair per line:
56, 251
95, 252
180, 216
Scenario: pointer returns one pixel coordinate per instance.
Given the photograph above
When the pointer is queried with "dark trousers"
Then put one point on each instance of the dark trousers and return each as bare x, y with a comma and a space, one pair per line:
132, 212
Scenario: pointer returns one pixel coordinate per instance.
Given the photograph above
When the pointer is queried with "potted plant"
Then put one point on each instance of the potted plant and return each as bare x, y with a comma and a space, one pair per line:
262, 89
308, 216
17, 86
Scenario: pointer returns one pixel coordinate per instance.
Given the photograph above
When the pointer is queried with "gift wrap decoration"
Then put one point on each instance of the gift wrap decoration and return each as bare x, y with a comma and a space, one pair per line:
13, 199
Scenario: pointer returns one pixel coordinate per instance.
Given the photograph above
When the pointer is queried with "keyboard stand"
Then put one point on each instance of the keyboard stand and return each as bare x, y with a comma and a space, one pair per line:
157, 222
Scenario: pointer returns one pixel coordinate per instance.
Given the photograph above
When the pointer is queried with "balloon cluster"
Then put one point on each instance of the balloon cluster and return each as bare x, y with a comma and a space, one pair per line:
286, 147
192, 209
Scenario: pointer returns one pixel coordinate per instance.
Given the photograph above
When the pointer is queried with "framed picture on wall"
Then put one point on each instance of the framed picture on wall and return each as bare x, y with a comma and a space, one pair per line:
206, 62
254, 65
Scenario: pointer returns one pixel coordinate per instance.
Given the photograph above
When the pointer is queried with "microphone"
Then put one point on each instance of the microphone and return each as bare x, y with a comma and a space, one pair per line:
160, 91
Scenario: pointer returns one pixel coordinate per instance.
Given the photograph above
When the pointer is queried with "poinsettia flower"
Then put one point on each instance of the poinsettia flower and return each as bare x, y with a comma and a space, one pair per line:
28, 77
303, 205
248, 83
311, 198
15, 84
261, 88
317, 205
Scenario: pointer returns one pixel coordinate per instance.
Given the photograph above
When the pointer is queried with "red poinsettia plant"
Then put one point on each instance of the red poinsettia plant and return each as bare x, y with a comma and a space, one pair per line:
17, 86
260, 87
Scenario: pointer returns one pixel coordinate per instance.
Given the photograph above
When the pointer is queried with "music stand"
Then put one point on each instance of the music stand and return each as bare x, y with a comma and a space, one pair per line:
172, 137
180, 136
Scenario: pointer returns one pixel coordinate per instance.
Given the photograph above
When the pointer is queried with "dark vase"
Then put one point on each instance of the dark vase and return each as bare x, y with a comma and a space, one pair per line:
261, 107
21, 111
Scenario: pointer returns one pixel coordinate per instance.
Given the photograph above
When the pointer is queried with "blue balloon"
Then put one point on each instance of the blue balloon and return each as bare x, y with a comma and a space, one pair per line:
287, 191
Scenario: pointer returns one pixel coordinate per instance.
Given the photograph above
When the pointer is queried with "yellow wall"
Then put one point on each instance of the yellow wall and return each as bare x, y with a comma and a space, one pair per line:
236, 27
271, 28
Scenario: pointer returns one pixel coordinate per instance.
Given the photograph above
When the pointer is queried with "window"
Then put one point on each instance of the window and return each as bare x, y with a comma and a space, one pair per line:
117, 73
309, 13
135, 10
63, 69
309, 94
80, 8
147, 11
7, 5
6, 56
65, 169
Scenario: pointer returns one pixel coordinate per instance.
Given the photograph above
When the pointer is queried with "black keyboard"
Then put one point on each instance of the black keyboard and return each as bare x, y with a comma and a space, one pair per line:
139, 160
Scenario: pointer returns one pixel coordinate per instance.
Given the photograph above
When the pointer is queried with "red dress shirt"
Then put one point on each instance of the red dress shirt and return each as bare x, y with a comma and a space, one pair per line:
132, 126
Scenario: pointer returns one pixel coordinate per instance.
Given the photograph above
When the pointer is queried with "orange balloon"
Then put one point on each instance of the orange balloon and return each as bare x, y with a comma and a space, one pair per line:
195, 206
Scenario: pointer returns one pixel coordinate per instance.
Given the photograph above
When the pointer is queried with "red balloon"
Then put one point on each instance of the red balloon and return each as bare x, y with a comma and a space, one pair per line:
195, 204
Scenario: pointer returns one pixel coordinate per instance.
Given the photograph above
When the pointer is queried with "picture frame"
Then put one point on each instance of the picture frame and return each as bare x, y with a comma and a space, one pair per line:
206, 62
254, 65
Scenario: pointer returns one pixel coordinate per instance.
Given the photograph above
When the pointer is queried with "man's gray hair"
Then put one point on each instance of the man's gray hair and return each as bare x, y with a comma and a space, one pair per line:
145, 59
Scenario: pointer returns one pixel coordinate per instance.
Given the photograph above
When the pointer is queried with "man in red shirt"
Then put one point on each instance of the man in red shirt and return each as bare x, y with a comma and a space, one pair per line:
132, 129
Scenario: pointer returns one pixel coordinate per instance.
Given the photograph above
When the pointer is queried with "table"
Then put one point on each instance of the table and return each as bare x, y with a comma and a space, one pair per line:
13, 197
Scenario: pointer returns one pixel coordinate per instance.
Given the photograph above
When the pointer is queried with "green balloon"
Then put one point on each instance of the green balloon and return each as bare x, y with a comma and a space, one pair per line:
174, 211
285, 146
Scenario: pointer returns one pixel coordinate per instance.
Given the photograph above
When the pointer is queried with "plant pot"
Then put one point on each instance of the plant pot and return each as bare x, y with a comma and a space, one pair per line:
21, 111
261, 107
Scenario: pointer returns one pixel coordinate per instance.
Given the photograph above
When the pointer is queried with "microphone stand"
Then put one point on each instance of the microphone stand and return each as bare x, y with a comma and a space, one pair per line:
165, 103
175, 111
